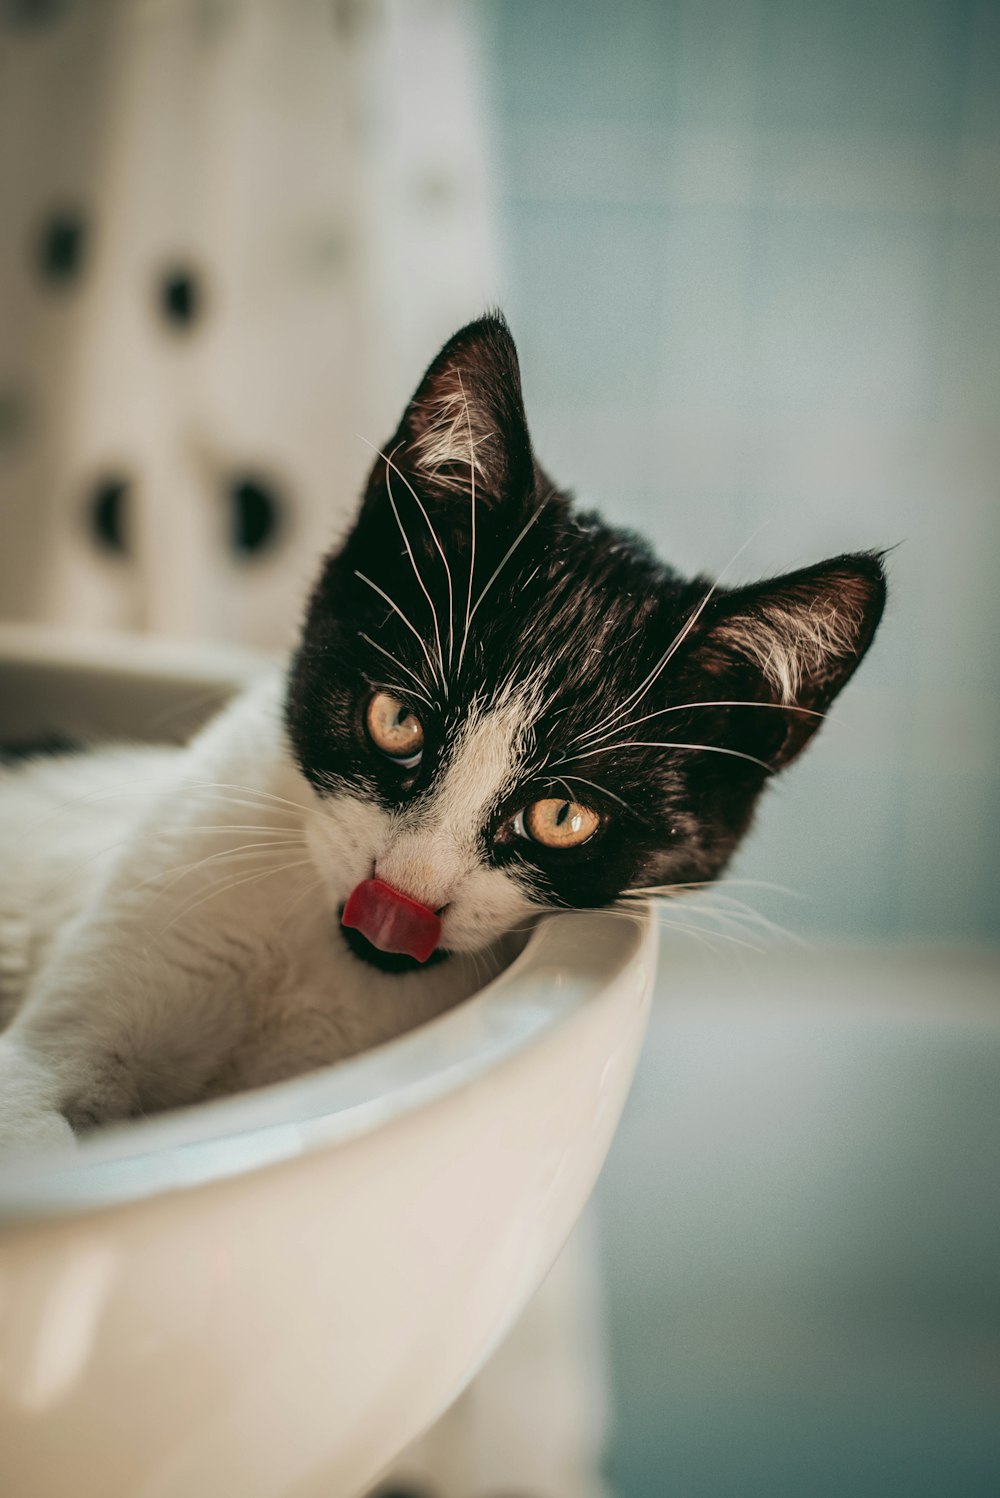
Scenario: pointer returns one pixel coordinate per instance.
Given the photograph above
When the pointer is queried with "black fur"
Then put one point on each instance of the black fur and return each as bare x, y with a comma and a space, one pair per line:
52, 746
386, 962
589, 609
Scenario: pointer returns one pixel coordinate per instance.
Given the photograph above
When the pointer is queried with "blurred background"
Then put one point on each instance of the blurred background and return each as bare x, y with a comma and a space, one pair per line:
750, 251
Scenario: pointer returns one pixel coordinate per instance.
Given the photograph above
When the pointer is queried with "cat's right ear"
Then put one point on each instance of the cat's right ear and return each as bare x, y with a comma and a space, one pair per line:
464, 431
790, 643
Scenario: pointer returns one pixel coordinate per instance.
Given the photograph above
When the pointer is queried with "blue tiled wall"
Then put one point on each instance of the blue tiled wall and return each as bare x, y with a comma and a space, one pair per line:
753, 255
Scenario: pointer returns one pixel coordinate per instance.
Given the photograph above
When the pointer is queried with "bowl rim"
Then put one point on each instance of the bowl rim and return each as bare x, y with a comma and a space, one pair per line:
568, 962
569, 959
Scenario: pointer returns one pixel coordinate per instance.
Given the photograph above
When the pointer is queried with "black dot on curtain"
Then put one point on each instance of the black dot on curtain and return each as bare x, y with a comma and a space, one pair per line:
406, 1492
62, 248
349, 17
256, 513
14, 417
181, 297
31, 15
107, 509
212, 18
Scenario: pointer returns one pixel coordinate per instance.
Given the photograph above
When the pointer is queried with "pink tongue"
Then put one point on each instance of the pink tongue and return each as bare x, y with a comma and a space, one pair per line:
391, 920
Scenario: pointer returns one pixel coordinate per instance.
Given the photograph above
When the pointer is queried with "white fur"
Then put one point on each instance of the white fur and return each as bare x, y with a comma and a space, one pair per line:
170, 915
794, 645
454, 434
434, 852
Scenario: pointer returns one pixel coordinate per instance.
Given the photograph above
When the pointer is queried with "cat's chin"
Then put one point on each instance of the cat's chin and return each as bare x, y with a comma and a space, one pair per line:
387, 962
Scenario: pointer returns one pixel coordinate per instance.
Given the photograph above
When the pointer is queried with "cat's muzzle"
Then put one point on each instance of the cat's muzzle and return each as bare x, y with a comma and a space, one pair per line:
392, 921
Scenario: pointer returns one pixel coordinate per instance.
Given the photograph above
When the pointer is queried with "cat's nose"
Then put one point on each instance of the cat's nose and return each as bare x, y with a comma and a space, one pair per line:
422, 867
392, 921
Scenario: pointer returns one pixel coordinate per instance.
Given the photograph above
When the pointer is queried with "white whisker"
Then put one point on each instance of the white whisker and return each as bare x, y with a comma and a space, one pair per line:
397, 610
72, 803
706, 937
245, 850
416, 573
612, 719
226, 888
499, 568
725, 883
398, 663
667, 744
680, 707
434, 537
734, 941
773, 928
603, 790
303, 894
199, 827
677, 641
472, 515
721, 917
250, 790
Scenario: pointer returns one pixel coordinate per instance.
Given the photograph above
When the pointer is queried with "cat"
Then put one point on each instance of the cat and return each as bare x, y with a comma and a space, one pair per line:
498, 706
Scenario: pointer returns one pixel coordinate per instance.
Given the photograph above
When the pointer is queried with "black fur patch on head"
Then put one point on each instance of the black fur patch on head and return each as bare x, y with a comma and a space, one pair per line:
663, 704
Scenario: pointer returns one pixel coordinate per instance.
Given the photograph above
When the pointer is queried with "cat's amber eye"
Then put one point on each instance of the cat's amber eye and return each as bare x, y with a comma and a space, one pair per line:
395, 729
558, 824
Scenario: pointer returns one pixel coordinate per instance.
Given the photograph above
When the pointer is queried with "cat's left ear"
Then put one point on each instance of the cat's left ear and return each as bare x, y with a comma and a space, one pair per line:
465, 424
792, 642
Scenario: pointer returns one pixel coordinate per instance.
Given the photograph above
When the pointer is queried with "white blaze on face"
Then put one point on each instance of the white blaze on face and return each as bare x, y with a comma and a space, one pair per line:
433, 850
344, 839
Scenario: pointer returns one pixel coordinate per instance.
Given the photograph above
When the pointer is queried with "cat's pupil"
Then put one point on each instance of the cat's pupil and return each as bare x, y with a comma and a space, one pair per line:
562, 813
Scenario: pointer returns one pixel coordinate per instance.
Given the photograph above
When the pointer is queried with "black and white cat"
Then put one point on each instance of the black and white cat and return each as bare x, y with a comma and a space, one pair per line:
498, 706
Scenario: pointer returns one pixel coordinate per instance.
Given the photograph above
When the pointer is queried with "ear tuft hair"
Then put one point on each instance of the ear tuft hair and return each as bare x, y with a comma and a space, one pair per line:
452, 434
795, 641
801, 639
466, 424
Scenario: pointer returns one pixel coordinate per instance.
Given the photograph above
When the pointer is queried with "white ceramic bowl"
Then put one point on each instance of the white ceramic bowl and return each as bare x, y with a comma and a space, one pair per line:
274, 1293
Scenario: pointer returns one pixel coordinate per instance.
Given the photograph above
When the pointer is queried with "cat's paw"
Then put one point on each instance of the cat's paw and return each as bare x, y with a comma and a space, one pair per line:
29, 1121
34, 1132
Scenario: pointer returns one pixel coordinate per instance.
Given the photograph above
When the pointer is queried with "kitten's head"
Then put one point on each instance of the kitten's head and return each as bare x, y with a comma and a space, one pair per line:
508, 706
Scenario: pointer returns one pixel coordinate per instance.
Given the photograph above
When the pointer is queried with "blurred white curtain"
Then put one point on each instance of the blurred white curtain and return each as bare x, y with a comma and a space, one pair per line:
232, 234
